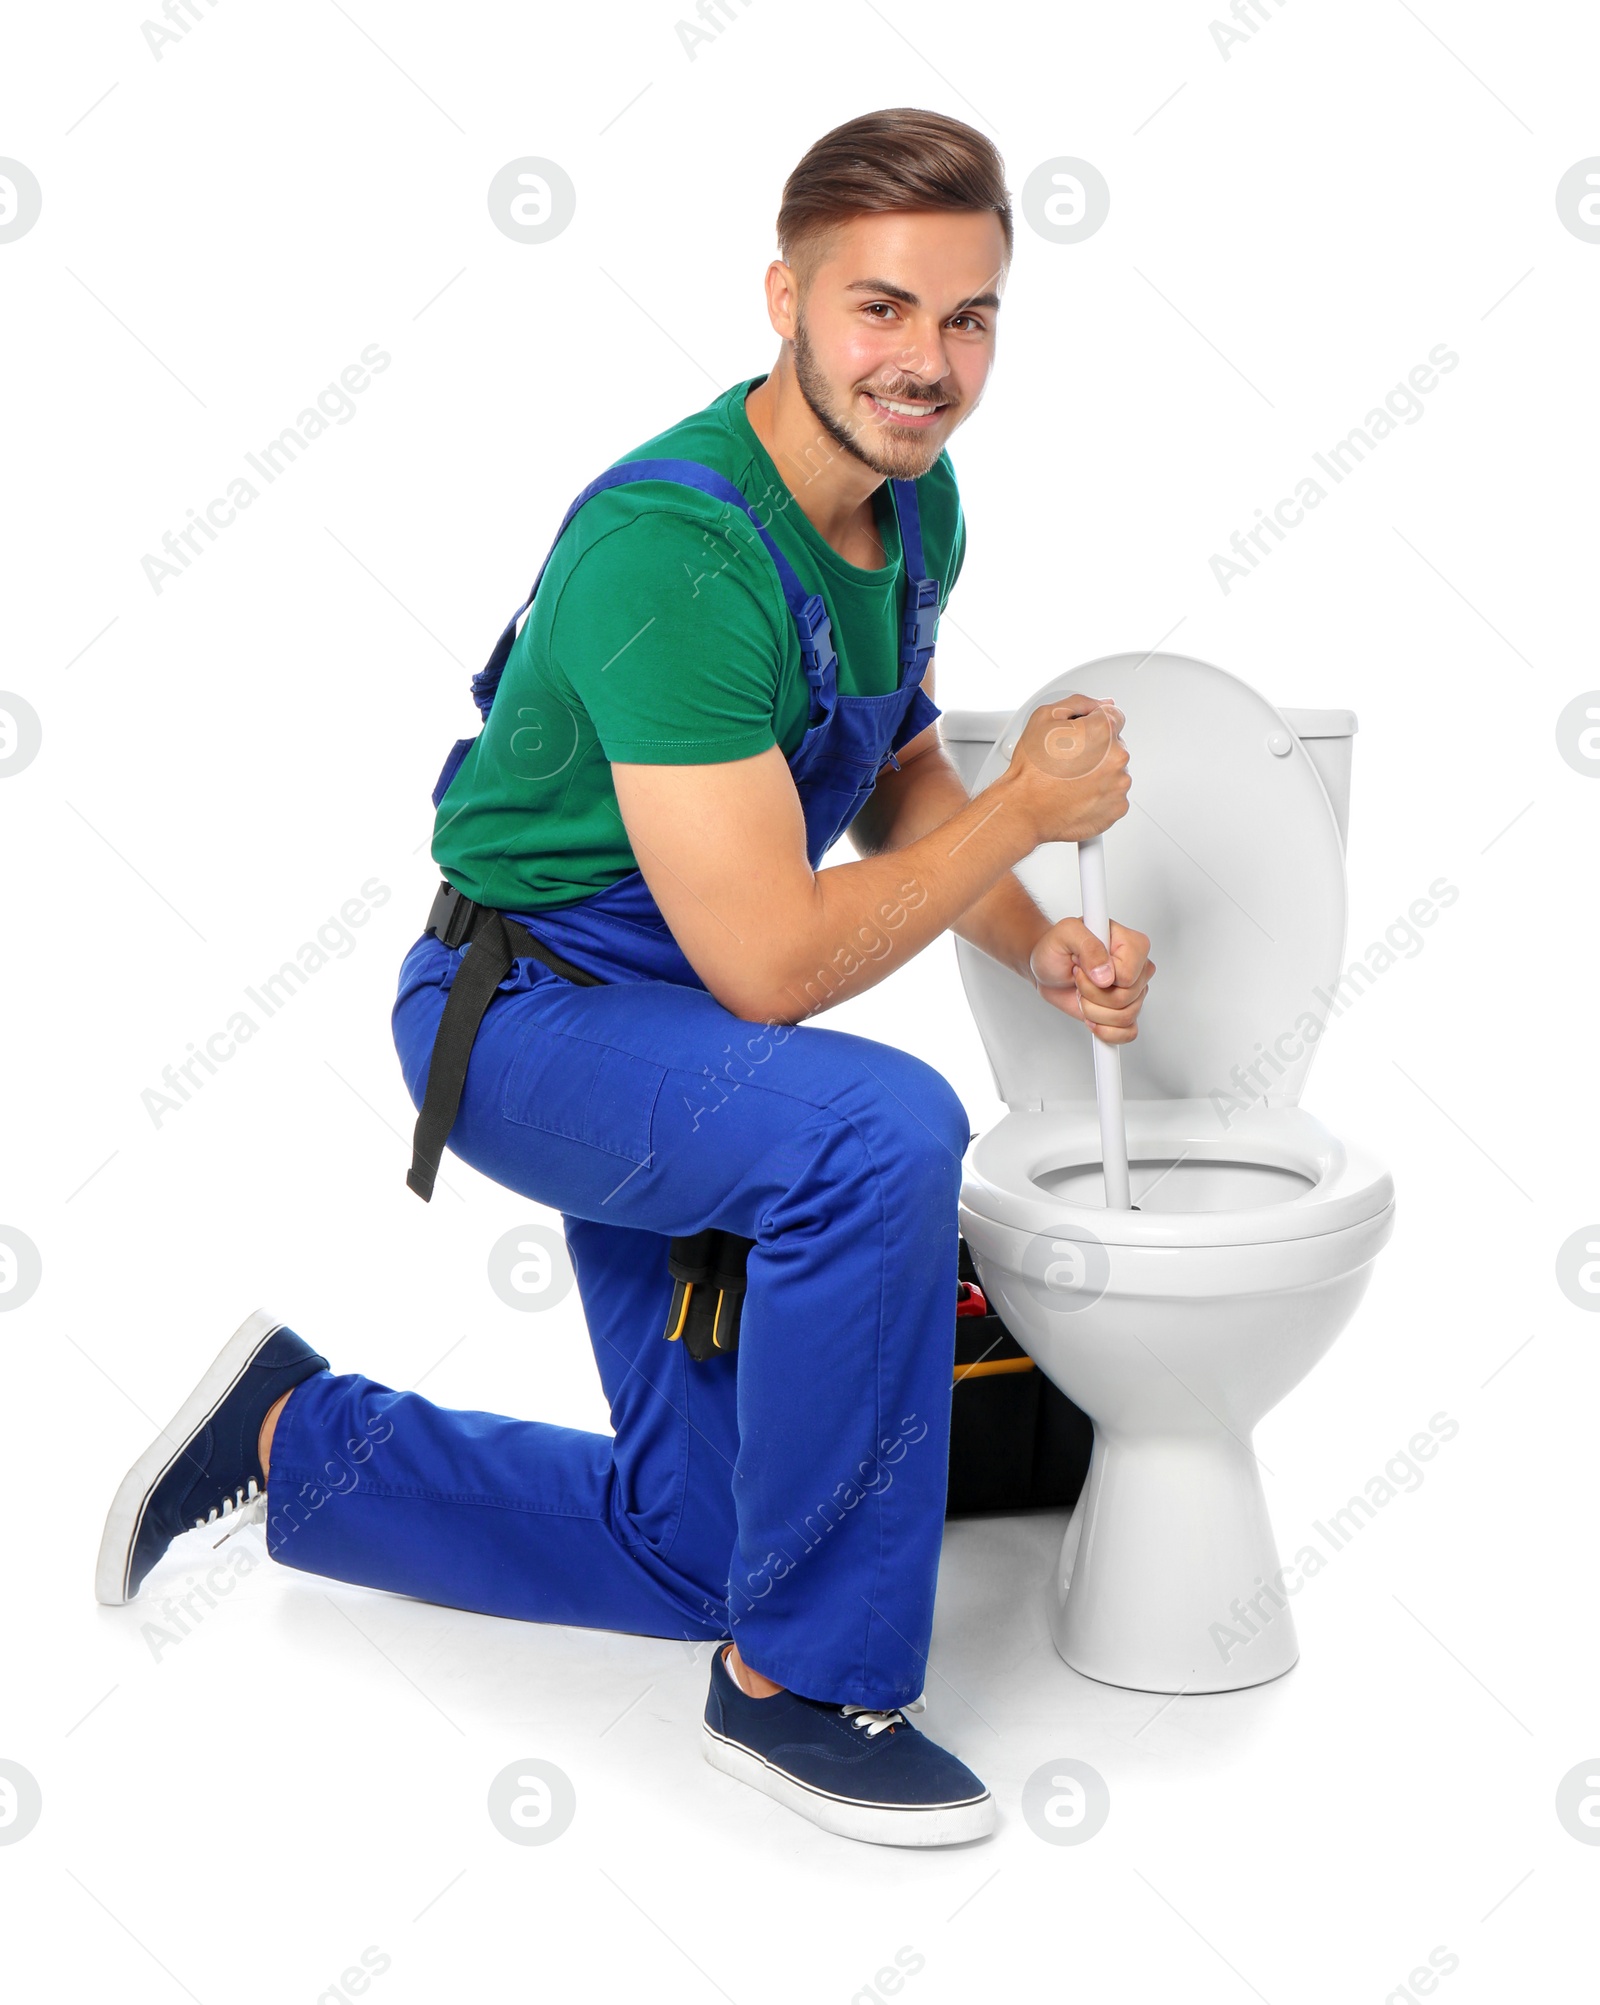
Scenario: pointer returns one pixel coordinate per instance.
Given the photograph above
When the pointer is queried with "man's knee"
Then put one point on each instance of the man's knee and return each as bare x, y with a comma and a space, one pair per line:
929, 1123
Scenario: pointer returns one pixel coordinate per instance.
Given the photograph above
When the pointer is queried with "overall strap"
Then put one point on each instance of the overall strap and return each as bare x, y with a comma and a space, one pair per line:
809, 614
922, 593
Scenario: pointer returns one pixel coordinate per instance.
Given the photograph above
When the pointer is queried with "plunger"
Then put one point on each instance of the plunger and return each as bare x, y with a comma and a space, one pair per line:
1107, 1058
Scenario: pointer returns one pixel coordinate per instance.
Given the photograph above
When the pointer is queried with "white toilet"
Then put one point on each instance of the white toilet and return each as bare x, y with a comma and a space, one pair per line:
1178, 1325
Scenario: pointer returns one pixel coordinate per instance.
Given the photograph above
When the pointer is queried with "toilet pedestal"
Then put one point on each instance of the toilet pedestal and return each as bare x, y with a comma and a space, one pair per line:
1175, 1588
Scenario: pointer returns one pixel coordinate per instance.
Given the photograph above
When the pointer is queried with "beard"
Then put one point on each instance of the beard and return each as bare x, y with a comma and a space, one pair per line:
891, 458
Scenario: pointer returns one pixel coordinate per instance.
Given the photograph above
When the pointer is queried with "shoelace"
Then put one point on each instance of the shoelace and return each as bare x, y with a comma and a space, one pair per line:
875, 1720
247, 1506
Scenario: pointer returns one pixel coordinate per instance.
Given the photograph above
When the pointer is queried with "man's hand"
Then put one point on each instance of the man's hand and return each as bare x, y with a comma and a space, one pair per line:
1070, 768
1072, 970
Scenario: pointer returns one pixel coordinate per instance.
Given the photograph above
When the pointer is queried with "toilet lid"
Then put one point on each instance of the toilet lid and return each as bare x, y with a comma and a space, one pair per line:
1229, 857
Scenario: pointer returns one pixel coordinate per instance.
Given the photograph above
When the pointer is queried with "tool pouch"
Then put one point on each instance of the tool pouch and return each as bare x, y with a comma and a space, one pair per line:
708, 1281
1016, 1441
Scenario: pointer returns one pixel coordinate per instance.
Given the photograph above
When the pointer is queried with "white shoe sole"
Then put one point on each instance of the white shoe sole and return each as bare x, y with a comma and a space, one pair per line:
126, 1516
942, 1824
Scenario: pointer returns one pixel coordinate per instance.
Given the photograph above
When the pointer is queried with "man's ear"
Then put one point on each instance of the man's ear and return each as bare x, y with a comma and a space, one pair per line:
783, 298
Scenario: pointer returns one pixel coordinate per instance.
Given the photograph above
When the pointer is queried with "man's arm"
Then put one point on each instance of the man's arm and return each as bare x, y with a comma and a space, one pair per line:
722, 849
1004, 920
1064, 961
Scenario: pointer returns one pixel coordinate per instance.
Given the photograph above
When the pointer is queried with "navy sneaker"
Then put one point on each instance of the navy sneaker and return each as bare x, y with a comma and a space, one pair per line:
856, 1772
204, 1465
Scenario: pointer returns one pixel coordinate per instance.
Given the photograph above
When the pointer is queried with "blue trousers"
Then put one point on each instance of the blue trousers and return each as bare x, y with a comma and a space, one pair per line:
791, 1495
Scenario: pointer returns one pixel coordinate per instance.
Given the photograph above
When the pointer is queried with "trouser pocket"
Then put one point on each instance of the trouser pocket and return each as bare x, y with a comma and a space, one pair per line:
585, 1092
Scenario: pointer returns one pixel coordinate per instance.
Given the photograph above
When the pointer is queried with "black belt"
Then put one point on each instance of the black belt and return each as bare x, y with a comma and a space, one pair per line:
494, 940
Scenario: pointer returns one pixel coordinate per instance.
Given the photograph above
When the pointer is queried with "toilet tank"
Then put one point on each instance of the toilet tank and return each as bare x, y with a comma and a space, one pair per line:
1325, 734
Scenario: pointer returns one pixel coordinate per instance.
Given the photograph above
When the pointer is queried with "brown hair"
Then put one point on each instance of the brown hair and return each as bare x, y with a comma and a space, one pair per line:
887, 160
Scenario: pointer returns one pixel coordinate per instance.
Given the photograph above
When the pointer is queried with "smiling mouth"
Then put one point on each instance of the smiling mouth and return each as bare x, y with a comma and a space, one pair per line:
904, 412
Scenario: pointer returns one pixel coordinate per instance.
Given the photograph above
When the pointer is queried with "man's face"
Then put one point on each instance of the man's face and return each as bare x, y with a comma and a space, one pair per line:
902, 313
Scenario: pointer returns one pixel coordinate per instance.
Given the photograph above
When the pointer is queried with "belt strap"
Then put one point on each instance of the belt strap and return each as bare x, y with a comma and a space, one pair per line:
494, 940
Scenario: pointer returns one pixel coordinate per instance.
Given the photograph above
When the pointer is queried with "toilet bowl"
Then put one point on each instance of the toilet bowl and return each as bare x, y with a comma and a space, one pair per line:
1176, 1326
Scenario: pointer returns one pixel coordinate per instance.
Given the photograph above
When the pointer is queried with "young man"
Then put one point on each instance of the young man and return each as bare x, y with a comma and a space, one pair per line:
637, 909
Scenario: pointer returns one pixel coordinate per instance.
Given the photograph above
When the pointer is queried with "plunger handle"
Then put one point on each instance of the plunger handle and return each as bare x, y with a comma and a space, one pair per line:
1107, 1058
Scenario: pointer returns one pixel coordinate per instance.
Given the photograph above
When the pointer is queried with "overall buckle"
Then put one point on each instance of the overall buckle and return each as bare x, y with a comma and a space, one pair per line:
921, 620
817, 653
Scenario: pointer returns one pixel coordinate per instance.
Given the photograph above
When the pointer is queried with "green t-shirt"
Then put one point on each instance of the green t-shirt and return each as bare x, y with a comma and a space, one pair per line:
660, 636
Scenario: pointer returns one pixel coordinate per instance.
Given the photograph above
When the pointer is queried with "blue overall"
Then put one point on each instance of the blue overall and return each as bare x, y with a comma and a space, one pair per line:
791, 1494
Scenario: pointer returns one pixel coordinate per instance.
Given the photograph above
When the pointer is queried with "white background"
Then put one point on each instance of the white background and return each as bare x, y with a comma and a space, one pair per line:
225, 763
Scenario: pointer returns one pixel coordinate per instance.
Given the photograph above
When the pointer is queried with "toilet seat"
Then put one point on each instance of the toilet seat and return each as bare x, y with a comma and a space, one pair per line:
1346, 1187
1230, 857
